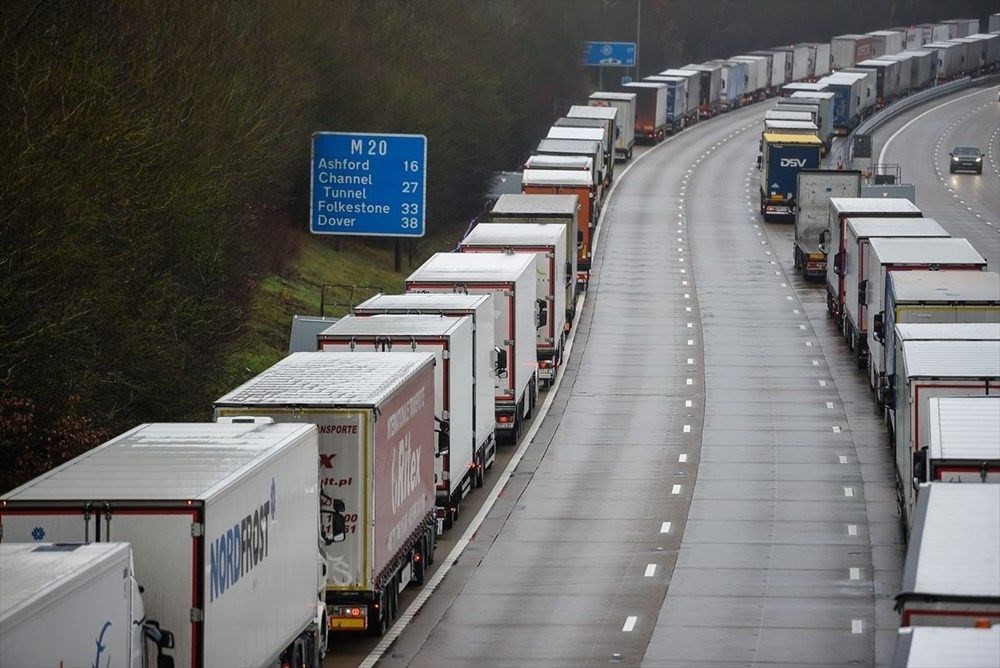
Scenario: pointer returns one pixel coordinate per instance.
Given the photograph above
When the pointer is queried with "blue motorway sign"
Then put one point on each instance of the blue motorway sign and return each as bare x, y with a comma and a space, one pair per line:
368, 184
609, 54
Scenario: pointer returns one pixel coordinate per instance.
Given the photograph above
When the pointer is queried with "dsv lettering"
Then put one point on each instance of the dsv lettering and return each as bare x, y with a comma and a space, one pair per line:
793, 162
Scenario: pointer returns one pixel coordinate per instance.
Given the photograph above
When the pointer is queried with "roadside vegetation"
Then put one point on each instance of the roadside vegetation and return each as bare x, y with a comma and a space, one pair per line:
154, 171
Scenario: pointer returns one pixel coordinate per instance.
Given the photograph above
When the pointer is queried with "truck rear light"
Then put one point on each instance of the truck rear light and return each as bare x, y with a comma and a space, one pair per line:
505, 418
546, 364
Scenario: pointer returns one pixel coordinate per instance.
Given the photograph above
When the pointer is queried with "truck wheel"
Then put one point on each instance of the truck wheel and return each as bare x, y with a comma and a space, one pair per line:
447, 523
480, 469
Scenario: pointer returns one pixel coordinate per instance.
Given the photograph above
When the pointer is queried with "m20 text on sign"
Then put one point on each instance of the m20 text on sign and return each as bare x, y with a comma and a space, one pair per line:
368, 184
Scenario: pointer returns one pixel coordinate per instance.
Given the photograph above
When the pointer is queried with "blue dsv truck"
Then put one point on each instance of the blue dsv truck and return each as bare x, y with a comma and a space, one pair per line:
781, 158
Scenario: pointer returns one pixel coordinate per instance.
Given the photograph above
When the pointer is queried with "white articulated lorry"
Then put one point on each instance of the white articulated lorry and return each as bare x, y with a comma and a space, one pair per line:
840, 209
889, 256
928, 369
480, 309
625, 119
73, 604
375, 416
928, 297
547, 209
964, 441
860, 289
555, 276
812, 210
458, 464
952, 572
511, 279
223, 520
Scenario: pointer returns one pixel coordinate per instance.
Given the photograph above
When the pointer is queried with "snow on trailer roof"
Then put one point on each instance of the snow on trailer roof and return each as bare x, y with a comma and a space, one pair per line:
608, 95
164, 461
955, 543
946, 286
515, 234
934, 250
865, 227
557, 177
874, 205
948, 331
936, 646
443, 301
582, 162
394, 325
473, 268
329, 379
952, 359
586, 111
965, 428
550, 205
35, 572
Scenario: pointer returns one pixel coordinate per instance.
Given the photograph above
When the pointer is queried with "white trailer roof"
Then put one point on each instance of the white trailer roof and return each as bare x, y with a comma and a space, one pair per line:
965, 428
417, 325
165, 461
875, 62
783, 115
329, 379
687, 74
556, 177
865, 227
952, 359
873, 205
936, 646
569, 132
813, 95
549, 205
585, 111
516, 234
938, 251
607, 95
803, 86
646, 84
947, 286
473, 267
34, 572
940, 331
443, 301
955, 543
581, 162
775, 124
569, 146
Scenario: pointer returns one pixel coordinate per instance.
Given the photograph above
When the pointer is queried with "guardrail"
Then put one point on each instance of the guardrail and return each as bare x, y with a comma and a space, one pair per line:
845, 151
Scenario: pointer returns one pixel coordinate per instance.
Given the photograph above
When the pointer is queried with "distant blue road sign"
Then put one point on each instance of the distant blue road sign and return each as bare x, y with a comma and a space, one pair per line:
368, 184
609, 54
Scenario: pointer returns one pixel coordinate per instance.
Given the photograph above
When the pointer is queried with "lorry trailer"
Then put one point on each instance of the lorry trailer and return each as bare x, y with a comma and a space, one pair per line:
461, 461
555, 275
709, 89
930, 646
928, 369
964, 444
693, 92
223, 522
840, 209
824, 100
511, 279
374, 415
560, 209
815, 187
650, 110
860, 286
848, 50
677, 100
616, 132
554, 183
480, 309
928, 297
625, 104
951, 577
588, 129
782, 156
87, 593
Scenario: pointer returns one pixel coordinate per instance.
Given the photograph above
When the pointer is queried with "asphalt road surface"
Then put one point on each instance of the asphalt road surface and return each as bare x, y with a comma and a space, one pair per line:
711, 484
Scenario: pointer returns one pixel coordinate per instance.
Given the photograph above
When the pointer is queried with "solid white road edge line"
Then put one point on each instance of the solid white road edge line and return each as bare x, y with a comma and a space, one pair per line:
411, 610
885, 146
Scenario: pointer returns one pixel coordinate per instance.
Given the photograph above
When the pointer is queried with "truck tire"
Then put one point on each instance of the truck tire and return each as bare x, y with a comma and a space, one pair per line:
480, 476
420, 565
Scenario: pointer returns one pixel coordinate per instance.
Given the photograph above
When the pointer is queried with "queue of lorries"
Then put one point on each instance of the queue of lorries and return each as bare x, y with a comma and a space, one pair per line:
224, 544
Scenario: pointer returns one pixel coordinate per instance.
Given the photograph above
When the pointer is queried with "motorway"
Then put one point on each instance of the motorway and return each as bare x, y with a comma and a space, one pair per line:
710, 433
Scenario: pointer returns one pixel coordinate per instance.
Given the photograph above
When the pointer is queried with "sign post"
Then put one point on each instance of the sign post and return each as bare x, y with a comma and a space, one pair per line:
368, 184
